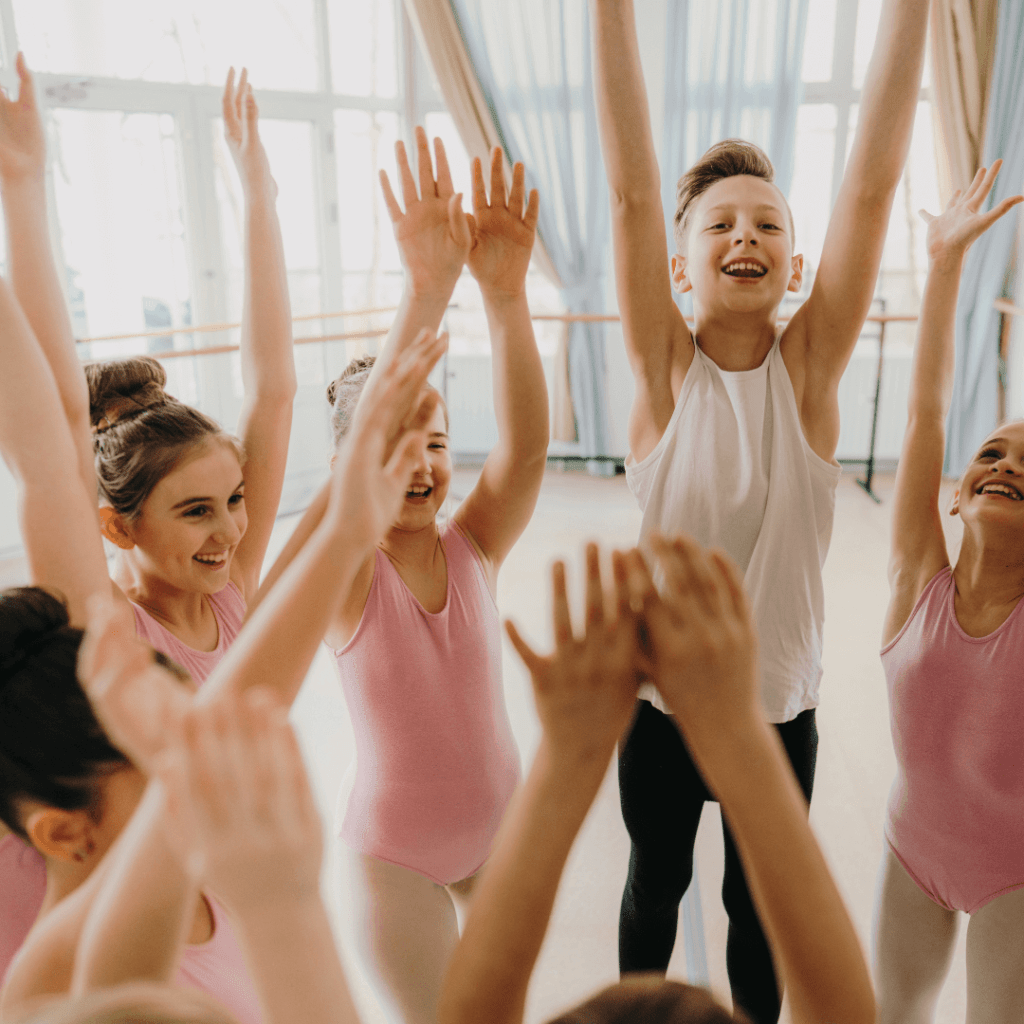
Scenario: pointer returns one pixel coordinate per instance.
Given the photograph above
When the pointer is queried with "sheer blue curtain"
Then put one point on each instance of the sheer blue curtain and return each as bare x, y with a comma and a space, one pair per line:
533, 61
989, 271
732, 70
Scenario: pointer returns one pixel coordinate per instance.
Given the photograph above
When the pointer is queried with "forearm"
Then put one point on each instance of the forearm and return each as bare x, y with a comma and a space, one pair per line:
520, 391
291, 954
931, 380
143, 912
490, 970
813, 941
624, 119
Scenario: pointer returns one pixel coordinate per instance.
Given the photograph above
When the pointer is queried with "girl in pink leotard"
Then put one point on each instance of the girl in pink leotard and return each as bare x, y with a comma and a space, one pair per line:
190, 539
953, 651
417, 636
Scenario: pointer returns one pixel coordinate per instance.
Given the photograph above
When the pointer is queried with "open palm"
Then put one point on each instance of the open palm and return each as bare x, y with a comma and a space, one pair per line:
953, 231
503, 232
241, 132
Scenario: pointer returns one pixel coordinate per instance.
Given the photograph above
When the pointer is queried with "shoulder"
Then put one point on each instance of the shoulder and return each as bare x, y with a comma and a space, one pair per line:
351, 610
457, 539
912, 589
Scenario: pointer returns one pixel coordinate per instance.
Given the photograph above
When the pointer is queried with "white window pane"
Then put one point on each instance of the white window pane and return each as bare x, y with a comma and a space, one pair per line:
440, 125
811, 191
181, 41
122, 231
820, 41
869, 13
289, 146
364, 47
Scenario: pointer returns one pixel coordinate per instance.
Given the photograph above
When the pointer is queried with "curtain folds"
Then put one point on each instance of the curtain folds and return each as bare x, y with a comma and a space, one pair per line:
518, 75
990, 263
963, 43
732, 71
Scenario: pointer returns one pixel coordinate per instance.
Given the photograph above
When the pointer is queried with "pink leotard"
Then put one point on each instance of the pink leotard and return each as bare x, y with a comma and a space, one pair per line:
22, 868
436, 763
956, 706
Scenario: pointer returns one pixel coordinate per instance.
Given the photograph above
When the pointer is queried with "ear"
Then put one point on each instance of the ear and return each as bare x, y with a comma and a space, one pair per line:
114, 528
61, 835
680, 282
954, 508
797, 280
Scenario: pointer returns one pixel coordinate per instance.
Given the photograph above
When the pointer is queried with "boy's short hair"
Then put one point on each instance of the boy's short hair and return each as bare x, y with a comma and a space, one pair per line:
725, 159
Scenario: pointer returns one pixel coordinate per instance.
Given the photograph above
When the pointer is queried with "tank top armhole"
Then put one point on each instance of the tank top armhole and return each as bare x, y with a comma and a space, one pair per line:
918, 604
374, 584
452, 527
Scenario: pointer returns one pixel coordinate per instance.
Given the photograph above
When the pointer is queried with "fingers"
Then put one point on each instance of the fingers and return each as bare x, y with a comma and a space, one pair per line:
498, 197
404, 458
394, 210
517, 192
732, 578
620, 578
252, 112
560, 618
444, 174
532, 210
923, 214
1001, 210
423, 165
26, 92
531, 659
594, 593
479, 191
227, 100
409, 193
243, 82
977, 183
458, 223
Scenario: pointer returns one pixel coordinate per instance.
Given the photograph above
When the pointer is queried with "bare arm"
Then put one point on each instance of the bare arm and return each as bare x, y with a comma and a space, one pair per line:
34, 273
268, 365
657, 338
497, 510
819, 341
918, 549
56, 514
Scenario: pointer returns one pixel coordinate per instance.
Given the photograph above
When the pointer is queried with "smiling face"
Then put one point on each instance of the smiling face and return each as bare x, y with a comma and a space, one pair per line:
192, 521
739, 249
991, 491
431, 477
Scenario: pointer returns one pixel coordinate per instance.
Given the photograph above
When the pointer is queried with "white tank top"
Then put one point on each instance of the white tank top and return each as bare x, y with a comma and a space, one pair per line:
734, 470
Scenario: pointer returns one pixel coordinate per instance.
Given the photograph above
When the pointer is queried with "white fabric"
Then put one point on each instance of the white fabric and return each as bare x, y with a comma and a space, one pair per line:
734, 470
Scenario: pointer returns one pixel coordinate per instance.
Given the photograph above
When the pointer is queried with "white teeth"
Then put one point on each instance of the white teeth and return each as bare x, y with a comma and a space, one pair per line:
745, 265
1010, 492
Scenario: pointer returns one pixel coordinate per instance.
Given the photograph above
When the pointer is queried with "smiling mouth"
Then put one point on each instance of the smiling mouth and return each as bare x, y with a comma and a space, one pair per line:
745, 268
416, 493
1002, 490
211, 561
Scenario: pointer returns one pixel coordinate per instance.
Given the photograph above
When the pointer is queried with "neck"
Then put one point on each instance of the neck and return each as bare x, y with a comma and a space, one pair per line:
989, 574
735, 341
417, 549
165, 602
62, 879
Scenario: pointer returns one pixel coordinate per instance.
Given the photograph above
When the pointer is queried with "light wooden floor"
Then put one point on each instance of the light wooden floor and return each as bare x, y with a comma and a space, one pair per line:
855, 762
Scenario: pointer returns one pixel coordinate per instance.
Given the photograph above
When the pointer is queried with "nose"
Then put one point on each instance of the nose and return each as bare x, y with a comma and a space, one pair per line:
227, 529
745, 237
422, 464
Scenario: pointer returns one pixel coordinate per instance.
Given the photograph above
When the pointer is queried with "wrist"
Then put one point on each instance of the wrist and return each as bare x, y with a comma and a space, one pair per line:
20, 182
573, 763
498, 299
947, 262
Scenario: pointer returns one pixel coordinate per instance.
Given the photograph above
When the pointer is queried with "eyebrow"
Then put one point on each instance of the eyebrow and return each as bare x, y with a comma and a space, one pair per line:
438, 433
991, 441
196, 501
732, 206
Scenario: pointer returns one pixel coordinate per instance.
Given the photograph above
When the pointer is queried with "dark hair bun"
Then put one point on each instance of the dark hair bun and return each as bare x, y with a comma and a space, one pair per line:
120, 389
361, 364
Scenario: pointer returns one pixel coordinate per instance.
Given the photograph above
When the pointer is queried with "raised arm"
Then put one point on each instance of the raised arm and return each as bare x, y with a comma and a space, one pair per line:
268, 365
585, 693
656, 335
918, 548
57, 515
34, 274
497, 510
705, 654
820, 339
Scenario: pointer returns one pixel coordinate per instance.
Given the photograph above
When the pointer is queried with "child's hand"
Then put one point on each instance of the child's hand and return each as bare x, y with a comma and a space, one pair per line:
503, 232
135, 699
433, 234
586, 690
701, 632
241, 132
388, 436
22, 139
239, 807
951, 233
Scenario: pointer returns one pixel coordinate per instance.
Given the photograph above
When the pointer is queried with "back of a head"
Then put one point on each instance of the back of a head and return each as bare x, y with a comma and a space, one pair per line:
139, 431
343, 393
725, 159
134, 1003
650, 999
52, 749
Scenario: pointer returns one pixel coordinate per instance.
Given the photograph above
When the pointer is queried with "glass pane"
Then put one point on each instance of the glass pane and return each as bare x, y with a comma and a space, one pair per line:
869, 13
820, 43
811, 192
442, 126
364, 47
119, 207
365, 144
184, 41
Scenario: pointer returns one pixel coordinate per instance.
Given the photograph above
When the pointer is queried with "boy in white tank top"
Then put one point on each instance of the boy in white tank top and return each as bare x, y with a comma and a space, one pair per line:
734, 428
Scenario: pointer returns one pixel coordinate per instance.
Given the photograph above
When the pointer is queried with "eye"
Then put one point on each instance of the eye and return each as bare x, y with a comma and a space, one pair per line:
196, 511
437, 444
236, 498
771, 227
720, 226
991, 453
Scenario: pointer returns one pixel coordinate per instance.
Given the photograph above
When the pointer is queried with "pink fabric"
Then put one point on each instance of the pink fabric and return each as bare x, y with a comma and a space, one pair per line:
218, 968
956, 810
22, 868
436, 763
229, 609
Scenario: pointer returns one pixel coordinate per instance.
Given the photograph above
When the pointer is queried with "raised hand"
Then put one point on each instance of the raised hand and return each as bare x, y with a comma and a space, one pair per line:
241, 132
951, 233
586, 688
433, 233
503, 231
134, 698
701, 633
239, 804
22, 138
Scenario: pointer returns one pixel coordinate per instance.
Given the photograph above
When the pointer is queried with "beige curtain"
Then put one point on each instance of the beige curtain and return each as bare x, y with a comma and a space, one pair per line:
963, 49
440, 39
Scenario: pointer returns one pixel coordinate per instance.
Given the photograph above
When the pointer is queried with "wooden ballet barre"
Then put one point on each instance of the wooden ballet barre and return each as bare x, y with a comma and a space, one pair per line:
1007, 307
601, 318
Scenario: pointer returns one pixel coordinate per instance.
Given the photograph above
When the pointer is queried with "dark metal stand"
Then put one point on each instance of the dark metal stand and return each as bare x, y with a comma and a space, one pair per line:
869, 470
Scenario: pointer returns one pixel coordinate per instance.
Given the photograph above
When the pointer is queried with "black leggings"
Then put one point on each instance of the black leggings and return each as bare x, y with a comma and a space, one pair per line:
662, 796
